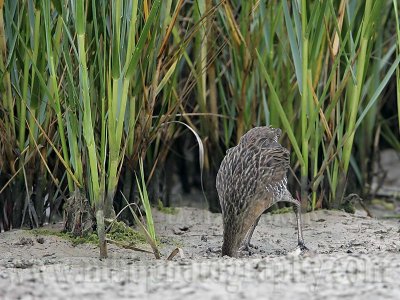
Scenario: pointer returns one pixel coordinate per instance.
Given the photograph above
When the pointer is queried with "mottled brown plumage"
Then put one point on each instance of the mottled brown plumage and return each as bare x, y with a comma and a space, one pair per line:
251, 178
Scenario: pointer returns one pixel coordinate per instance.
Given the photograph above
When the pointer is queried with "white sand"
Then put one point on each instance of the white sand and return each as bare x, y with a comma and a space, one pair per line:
352, 257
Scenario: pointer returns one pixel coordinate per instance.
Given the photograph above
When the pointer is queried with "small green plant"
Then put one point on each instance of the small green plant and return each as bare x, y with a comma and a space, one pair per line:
118, 231
148, 230
283, 210
144, 197
75, 240
166, 210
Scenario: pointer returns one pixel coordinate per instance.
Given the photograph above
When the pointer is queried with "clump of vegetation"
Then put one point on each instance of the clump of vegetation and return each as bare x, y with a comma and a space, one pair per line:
348, 207
91, 238
166, 210
283, 210
383, 203
120, 232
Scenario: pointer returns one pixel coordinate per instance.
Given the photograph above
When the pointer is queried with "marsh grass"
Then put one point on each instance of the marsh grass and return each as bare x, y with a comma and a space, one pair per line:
87, 88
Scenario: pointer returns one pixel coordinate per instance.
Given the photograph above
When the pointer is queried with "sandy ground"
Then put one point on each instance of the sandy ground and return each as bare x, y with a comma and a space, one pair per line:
352, 257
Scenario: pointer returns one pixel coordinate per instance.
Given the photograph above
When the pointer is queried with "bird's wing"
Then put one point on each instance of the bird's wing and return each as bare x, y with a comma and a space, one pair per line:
251, 171
273, 165
234, 184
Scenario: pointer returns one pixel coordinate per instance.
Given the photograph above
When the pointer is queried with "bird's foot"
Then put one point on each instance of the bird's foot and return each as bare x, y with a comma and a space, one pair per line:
249, 248
302, 247
301, 250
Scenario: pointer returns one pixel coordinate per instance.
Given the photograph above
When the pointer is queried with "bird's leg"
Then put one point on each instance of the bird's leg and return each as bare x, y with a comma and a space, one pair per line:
246, 244
297, 211
300, 239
